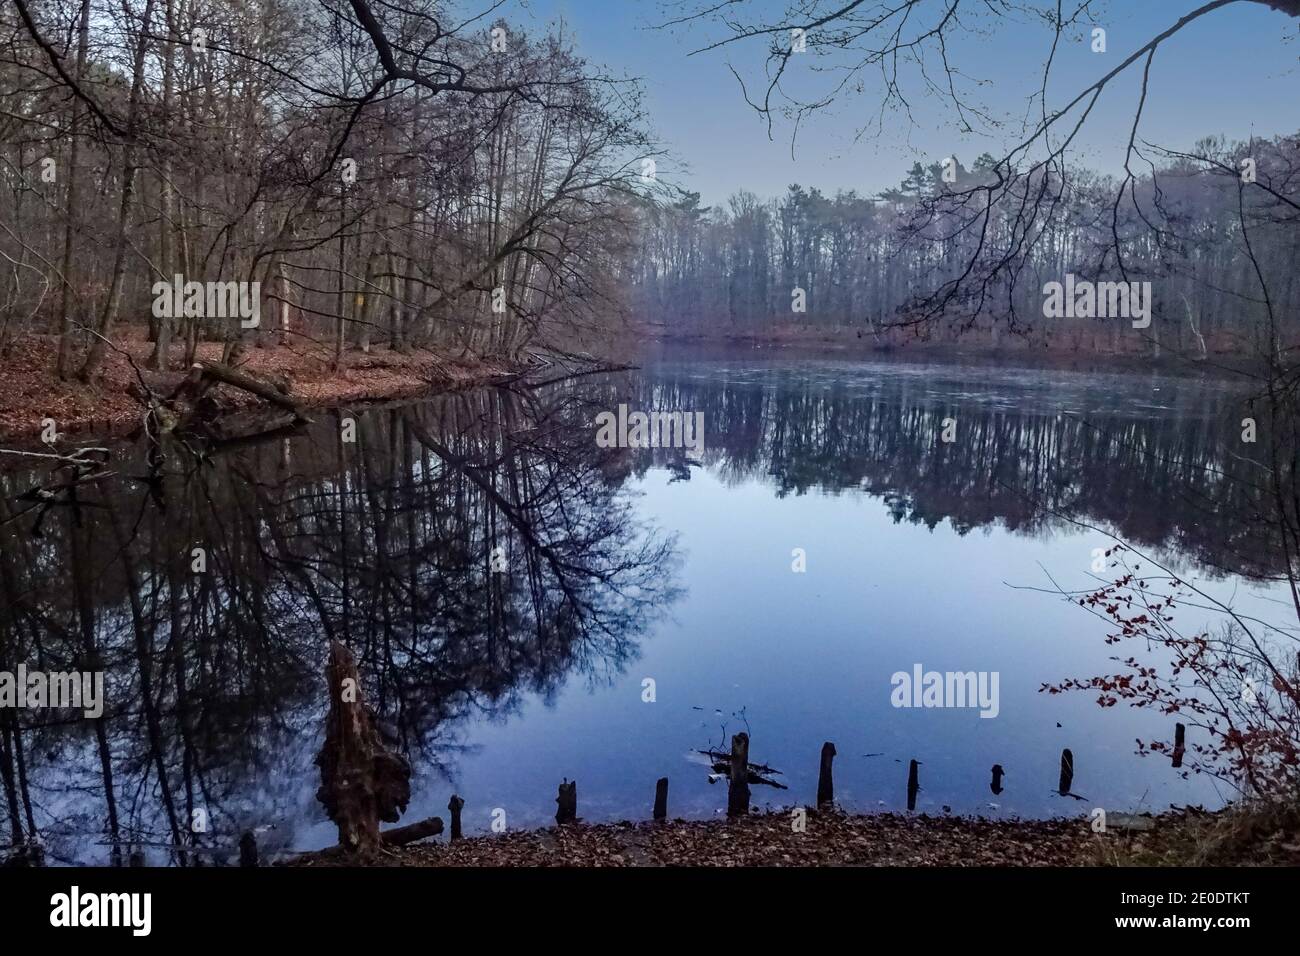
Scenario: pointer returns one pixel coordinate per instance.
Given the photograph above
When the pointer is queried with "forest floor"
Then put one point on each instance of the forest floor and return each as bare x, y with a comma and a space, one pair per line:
30, 391
835, 838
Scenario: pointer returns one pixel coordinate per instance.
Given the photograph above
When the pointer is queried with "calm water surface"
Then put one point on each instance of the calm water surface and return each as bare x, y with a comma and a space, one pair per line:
624, 566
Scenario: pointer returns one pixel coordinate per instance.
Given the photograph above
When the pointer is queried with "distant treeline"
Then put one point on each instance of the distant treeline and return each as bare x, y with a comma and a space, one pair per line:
1188, 226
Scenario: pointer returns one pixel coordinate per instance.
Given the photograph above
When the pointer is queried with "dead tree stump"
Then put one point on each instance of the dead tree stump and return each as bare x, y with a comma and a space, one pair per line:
913, 784
362, 782
1180, 733
566, 810
661, 799
738, 787
825, 784
454, 806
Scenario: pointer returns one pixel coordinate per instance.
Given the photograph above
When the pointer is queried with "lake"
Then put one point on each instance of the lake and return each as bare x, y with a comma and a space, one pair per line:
527, 606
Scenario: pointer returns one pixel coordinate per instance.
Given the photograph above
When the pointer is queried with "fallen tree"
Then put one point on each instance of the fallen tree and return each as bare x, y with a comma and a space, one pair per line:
191, 407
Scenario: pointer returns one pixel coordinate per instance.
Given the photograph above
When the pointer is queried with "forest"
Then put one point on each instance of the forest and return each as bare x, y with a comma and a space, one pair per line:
281, 143
866, 263
356, 278
390, 178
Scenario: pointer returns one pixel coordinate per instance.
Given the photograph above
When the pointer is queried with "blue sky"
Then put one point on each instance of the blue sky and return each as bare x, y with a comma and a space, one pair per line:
1233, 72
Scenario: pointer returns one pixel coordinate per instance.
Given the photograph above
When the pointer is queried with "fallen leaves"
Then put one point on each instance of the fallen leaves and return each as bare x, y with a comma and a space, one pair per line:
33, 392
832, 838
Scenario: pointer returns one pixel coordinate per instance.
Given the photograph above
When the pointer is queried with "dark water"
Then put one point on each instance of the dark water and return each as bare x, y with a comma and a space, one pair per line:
623, 566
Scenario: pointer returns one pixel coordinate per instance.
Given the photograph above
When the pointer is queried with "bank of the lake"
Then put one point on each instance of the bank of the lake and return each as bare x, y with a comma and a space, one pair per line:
104, 407
834, 838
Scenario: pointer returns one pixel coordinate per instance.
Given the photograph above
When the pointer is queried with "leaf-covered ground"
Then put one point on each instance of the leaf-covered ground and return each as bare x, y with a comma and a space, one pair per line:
830, 838
833, 838
32, 391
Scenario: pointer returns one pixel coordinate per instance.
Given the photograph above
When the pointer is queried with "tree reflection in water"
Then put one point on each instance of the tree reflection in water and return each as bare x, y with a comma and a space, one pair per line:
389, 544
470, 550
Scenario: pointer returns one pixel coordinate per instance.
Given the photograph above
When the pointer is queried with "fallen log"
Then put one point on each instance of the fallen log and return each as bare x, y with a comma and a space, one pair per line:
247, 425
400, 836
272, 390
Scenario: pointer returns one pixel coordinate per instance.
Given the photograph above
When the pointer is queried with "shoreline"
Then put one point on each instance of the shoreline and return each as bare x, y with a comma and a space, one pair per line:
841, 342
103, 409
833, 837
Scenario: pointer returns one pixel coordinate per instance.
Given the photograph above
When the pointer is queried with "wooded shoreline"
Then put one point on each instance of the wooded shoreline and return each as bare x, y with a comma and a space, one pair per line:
105, 409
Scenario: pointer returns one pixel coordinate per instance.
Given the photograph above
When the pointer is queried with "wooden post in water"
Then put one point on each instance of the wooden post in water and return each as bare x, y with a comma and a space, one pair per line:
1180, 732
567, 809
996, 785
248, 849
454, 805
661, 799
738, 787
1067, 772
825, 785
913, 784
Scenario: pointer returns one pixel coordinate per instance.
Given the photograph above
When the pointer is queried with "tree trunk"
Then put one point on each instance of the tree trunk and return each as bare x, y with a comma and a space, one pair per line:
127, 209
362, 782
70, 230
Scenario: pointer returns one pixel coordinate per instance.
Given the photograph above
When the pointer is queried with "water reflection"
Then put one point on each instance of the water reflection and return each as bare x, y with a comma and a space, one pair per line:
479, 551
470, 550
1151, 457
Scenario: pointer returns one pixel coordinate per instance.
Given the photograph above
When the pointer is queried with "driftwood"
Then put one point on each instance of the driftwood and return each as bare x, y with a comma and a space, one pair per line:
362, 782
759, 773
400, 836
